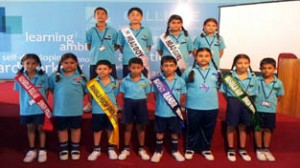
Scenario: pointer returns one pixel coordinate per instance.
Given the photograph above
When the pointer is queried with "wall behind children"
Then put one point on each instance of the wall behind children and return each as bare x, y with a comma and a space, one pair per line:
50, 28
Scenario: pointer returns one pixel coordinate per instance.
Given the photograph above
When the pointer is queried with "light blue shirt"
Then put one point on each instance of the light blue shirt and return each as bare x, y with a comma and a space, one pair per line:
102, 44
135, 90
41, 83
177, 86
111, 90
268, 93
249, 85
213, 43
199, 98
185, 46
68, 94
143, 36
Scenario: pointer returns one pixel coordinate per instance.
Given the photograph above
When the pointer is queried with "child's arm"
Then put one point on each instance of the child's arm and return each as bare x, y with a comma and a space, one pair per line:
183, 100
159, 52
221, 53
88, 46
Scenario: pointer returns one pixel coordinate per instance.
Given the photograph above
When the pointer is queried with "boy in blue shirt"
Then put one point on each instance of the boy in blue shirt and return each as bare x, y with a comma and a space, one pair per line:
165, 118
101, 42
141, 33
270, 89
100, 120
135, 87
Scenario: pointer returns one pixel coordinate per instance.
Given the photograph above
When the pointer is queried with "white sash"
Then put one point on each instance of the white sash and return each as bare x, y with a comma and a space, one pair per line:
175, 52
136, 47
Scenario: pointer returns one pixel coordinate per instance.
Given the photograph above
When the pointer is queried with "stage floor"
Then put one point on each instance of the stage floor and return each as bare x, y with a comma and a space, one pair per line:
13, 142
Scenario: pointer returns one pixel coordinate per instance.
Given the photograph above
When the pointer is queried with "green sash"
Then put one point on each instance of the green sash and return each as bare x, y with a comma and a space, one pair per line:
242, 96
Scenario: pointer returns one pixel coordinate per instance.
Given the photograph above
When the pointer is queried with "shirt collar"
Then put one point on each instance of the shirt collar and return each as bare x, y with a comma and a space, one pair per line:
112, 80
261, 78
128, 77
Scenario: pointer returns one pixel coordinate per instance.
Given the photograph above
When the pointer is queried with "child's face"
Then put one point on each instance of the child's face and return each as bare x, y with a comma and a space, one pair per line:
175, 25
242, 65
210, 27
69, 65
135, 17
30, 65
169, 68
203, 58
100, 16
267, 70
136, 69
103, 71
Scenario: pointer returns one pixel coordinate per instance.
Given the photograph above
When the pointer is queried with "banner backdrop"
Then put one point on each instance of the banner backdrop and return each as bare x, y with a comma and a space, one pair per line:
53, 28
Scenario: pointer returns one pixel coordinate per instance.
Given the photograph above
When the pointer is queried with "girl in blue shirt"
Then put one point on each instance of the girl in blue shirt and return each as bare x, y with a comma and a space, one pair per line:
180, 37
202, 104
31, 114
68, 85
211, 39
238, 115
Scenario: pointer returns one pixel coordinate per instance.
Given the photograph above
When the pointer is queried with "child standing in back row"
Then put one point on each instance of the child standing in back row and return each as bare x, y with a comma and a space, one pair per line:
270, 90
31, 114
182, 40
68, 85
143, 36
211, 39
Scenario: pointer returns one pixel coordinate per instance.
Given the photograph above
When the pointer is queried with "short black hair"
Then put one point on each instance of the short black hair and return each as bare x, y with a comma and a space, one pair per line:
135, 60
104, 62
100, 8
168, 58
268, 61
139, 10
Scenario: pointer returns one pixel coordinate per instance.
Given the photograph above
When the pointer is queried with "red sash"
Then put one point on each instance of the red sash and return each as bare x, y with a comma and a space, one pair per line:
38, 98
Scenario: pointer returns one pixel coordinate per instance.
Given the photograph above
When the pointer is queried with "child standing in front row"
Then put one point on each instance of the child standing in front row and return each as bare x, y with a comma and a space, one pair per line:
202, 104
68, 85
135, 88
238, 115
165, 118
211, 39
100, 120
180, 37
141, 33
31, 114
270, 89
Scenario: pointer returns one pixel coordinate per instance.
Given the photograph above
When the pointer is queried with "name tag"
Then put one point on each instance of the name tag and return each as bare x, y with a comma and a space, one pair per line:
102, 48
31, 102
265, 103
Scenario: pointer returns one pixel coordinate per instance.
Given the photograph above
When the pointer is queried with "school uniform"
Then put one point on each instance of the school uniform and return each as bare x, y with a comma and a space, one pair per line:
213, 43
266, 101
102, 47
202, 107
100, 120
68, 95
144, 37
31, 112
165, 118
135, 96
185, 44
237, 112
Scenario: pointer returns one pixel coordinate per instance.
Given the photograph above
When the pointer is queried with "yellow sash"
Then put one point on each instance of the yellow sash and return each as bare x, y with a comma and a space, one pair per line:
108, 107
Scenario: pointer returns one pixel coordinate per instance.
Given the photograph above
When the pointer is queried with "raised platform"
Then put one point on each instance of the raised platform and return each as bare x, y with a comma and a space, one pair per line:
13, 142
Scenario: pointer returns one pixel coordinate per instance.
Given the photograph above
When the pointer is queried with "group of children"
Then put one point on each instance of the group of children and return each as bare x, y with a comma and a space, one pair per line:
179, 89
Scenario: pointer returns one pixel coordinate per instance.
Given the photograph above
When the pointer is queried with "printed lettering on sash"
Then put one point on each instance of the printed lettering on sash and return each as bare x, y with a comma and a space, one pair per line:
136, 47
38, 98
174, 50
